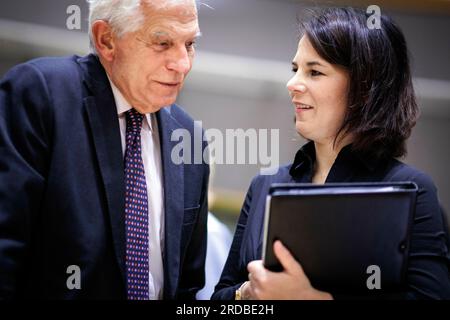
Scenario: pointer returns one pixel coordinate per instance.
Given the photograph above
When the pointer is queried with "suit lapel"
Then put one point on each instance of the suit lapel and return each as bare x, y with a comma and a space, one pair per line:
173, 202
102, 117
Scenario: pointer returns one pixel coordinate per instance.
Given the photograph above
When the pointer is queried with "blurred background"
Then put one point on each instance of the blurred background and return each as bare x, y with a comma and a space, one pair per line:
243, 63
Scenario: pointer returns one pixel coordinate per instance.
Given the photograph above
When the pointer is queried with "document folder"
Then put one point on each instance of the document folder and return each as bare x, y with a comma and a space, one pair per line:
343, 233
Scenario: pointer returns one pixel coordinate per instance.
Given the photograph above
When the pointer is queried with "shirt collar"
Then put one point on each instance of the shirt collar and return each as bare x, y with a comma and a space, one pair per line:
123, 106
347, 158
304, 159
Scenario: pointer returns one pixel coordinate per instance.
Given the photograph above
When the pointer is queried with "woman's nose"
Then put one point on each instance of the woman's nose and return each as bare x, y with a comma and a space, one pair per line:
295, 84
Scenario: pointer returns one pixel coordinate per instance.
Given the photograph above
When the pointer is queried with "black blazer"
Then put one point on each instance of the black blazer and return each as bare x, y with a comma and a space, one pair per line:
62, 187
428, 274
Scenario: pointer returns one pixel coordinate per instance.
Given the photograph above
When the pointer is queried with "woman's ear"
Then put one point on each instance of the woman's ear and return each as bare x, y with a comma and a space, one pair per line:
103, 40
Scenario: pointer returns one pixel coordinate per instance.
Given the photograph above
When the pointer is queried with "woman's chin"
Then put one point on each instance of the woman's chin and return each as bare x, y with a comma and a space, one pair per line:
302, 132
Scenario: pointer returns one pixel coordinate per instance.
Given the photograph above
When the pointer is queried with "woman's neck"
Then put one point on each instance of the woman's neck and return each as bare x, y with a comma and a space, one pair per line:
326, 154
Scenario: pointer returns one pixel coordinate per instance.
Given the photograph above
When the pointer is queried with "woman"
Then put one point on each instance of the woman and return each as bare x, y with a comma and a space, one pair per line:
354, 101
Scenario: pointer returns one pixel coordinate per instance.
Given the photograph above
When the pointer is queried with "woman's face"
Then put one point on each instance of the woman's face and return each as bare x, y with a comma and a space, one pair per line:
319, 93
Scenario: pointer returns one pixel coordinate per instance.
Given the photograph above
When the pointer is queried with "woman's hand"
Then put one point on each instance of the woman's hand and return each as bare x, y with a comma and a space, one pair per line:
290, 284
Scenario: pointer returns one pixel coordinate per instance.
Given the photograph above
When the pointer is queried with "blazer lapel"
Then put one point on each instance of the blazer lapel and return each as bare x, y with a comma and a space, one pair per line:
282, 177
102, 117
173, 202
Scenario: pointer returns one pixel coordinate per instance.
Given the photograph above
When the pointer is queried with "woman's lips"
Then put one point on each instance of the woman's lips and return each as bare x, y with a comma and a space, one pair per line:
300, 107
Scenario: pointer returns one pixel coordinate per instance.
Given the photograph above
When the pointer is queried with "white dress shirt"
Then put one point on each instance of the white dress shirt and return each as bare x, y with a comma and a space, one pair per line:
151, 156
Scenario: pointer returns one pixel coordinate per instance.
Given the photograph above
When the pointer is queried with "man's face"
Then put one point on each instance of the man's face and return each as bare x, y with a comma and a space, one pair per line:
149, 66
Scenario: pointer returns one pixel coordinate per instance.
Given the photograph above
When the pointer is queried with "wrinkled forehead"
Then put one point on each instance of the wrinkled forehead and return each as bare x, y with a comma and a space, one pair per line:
183, 8
171, 16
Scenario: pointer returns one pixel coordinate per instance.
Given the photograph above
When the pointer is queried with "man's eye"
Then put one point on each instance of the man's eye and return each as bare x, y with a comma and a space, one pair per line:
161, 45
190, 45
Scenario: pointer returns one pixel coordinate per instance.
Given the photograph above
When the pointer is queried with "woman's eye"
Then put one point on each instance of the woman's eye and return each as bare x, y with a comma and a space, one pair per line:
315, 73
294, 70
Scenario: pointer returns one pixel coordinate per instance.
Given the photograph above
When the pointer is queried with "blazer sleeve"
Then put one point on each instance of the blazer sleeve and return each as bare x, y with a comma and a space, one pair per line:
25, 130
428, 266
235, 272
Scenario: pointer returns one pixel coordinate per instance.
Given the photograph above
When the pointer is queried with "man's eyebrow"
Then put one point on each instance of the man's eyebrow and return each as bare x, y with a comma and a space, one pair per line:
158, 34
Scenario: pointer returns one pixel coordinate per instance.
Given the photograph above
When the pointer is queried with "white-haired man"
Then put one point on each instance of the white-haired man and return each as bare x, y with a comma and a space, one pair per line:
91, 204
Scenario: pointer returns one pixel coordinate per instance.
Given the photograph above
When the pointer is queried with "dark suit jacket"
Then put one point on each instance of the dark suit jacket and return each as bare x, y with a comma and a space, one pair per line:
427, 275
62, 187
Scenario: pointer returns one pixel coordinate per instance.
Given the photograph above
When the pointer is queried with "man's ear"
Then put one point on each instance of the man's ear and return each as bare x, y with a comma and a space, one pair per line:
102, 36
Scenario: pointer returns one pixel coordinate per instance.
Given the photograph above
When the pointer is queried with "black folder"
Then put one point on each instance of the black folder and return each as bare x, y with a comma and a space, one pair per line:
339, 232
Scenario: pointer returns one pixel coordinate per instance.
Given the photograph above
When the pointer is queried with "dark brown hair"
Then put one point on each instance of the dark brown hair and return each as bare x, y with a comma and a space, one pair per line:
382, 105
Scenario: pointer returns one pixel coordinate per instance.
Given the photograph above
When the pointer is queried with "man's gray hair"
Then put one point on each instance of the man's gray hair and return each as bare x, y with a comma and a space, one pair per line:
124, 16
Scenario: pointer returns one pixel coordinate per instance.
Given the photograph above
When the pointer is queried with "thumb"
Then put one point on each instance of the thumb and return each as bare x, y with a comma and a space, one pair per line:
286, 259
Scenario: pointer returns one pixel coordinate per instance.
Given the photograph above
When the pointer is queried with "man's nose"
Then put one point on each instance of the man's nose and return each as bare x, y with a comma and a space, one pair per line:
181, 61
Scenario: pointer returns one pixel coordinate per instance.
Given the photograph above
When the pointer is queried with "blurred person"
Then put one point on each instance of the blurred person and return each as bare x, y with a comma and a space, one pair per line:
354, 101
218, 245
86, 177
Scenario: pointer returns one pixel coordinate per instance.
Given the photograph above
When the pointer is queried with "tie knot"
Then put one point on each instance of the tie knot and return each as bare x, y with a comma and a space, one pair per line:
134, 120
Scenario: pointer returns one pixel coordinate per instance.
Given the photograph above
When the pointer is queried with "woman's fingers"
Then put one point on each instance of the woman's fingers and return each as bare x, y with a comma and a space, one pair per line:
286, 259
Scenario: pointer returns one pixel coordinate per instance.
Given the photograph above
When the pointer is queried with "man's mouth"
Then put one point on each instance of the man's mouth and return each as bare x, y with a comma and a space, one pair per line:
169, 84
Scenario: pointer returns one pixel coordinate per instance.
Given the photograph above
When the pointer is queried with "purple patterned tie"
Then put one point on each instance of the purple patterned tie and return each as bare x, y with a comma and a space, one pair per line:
136, 211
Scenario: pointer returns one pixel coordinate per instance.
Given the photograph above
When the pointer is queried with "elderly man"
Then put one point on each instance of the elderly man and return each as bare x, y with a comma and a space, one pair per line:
91, 204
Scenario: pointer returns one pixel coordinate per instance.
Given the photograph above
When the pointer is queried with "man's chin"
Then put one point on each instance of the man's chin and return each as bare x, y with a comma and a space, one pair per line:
147, 109
152, 108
